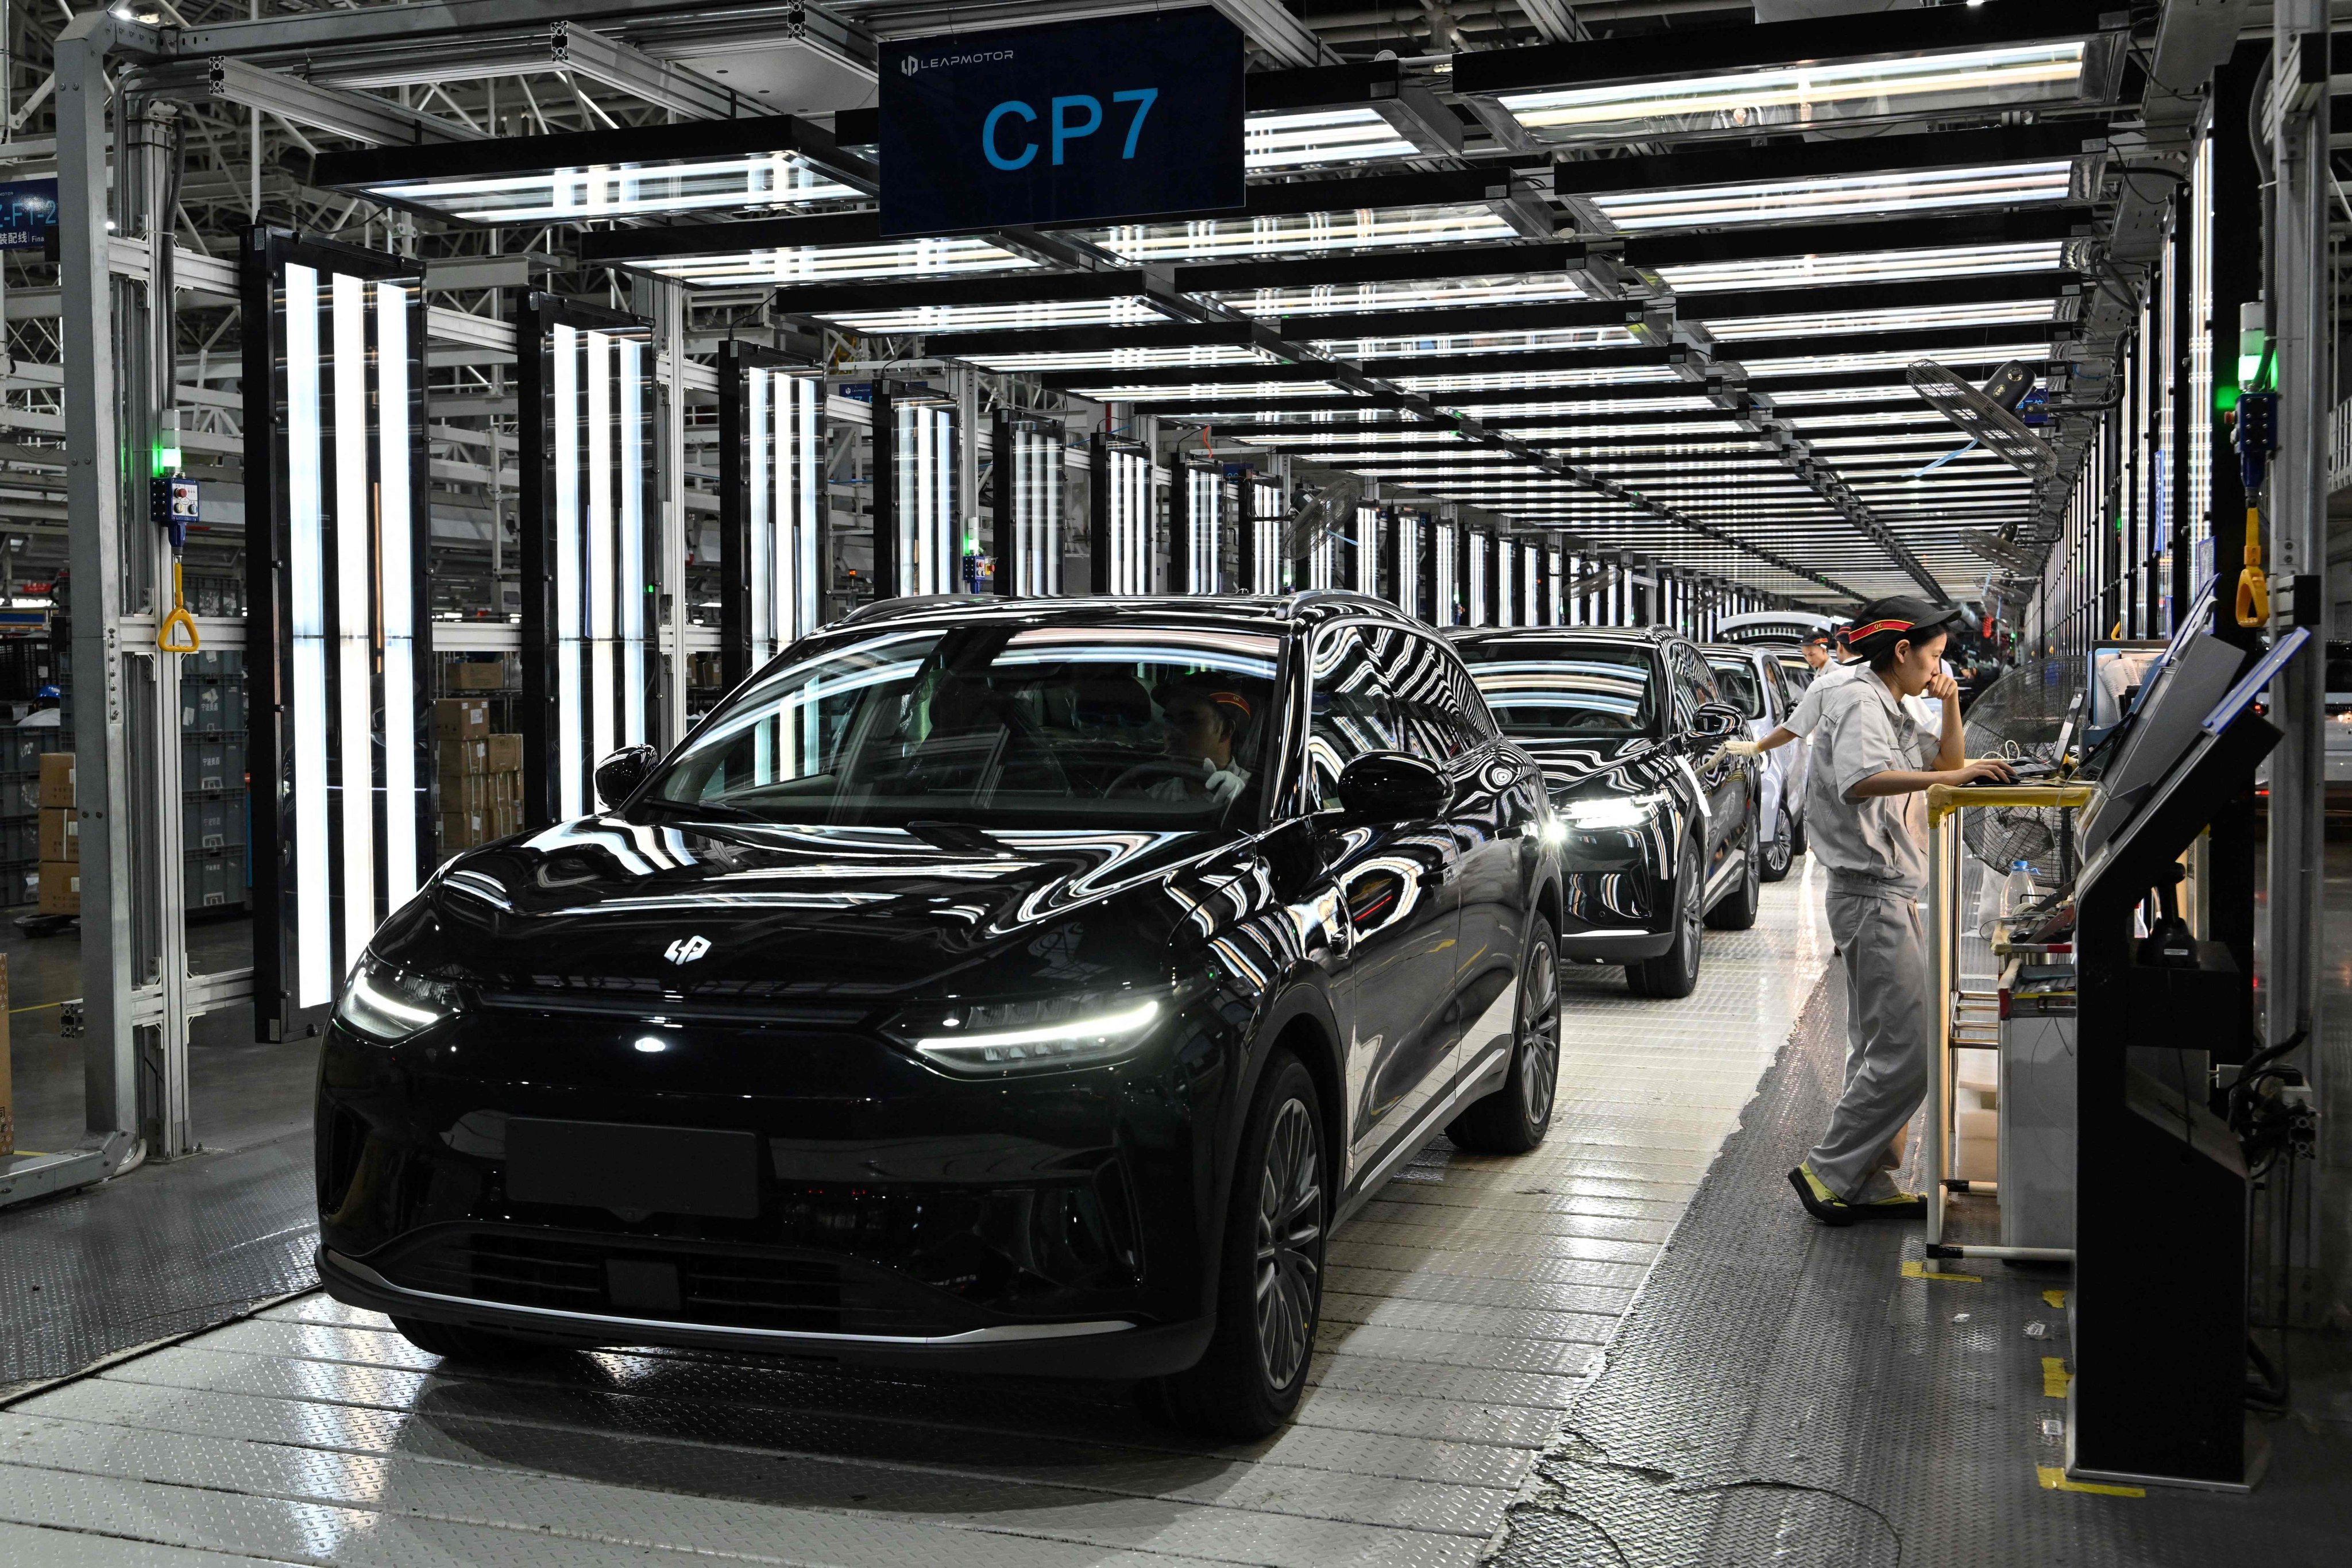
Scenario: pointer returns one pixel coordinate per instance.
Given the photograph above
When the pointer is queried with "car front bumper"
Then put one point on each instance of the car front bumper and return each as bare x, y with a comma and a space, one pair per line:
1065, 1222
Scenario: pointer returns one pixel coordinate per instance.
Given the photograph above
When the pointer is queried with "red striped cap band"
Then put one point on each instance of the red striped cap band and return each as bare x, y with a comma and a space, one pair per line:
1857, 634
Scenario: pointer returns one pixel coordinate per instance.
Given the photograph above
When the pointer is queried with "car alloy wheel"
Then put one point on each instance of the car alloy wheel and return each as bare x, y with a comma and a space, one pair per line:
1539, 1032
1781, 852
1289, 1242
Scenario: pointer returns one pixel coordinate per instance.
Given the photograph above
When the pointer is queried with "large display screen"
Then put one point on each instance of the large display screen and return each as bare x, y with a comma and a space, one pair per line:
1122, 117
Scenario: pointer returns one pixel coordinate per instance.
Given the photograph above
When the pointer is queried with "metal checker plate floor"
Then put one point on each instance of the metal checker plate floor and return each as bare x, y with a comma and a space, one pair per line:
1466, 1308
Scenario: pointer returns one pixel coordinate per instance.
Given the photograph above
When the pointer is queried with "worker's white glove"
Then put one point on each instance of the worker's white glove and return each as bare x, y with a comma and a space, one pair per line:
1737, 749
1225, 784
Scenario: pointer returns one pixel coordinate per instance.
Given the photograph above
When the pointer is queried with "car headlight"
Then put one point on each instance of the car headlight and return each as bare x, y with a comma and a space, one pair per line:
989, 1039
389, 1003
1612, 811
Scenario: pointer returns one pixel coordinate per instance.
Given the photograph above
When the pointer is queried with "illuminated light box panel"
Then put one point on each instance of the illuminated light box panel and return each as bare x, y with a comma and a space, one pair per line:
1446, 574
1120, 517
1027, 475
1264, 515
1476, 550
338, 606
917, 546
1363, 552
591, 664
770, 504
1202, 518
1404, 560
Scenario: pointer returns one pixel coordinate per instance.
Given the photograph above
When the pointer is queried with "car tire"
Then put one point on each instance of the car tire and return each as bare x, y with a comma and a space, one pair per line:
1736, 910
452, 1341
1781, 853
1675, 973
1270, 1286
1515, 1118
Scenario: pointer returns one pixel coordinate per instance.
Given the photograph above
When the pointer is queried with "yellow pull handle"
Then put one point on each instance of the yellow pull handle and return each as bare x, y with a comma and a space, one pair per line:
179, 618
2253, 588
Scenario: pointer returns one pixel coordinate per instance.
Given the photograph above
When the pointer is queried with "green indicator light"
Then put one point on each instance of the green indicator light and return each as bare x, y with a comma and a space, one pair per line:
2225, 398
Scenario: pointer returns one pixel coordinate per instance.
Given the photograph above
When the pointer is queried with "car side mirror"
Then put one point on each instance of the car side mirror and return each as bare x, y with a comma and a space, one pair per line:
619, 775
1717, 722
1393, 786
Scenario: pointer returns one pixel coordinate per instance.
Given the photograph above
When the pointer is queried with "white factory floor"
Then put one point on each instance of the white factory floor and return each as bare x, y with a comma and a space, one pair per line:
1466, 1308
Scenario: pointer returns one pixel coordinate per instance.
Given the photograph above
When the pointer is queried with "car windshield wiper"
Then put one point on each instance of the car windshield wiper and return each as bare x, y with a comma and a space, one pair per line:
712, 808
962, 836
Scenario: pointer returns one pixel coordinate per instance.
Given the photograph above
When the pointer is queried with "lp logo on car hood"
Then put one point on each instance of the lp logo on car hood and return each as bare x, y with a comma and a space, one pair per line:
686, 949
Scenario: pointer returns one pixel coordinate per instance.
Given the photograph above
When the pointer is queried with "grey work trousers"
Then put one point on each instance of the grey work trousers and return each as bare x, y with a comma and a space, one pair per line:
1885, 950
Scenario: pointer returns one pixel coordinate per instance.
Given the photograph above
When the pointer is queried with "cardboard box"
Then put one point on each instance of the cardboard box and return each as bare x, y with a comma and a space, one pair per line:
60, 889
60, 834
479, 675
459, 830
505, 753
461, 719
456, 759
57, 778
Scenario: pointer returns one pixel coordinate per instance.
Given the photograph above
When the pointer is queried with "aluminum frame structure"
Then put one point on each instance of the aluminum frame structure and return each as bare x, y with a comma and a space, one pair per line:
338, 609
591, 667
771, 515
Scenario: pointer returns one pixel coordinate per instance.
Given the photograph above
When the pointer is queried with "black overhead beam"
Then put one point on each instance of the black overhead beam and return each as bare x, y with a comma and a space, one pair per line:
1433, 364
1427, 264
1788, 158
1592, 61
649, 242
1320, 87
1454, 320
980, 345
1892, 379
1826, 298
1420, 264
1764, 242
1927, 339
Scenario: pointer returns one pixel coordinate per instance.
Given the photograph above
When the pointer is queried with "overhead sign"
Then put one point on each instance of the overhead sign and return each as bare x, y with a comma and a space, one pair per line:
1085, 122
28, 210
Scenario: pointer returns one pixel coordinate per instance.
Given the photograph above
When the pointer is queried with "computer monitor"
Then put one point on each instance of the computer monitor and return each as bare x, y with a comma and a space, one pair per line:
2197, 670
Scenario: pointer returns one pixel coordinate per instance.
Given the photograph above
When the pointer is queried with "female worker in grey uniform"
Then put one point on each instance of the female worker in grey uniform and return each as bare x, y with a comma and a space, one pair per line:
1864, 811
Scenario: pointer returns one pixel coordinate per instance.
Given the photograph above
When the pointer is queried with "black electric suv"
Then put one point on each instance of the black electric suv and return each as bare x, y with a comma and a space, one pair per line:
991, 983
1658, 829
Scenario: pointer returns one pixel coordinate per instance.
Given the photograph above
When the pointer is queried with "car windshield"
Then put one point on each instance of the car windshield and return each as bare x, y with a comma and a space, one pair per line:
1081, 725
1735, 678
1543, 689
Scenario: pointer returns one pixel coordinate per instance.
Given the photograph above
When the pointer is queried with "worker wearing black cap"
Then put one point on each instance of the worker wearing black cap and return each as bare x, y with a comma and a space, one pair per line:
1868, 820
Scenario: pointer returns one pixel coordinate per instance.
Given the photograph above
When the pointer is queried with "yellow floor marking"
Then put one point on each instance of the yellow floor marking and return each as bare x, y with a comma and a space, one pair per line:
2055, 1297
2055, 1378
2053, 1480
1915, 1269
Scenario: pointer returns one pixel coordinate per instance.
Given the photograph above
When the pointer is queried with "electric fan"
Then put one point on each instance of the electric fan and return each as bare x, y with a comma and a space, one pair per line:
1988, 413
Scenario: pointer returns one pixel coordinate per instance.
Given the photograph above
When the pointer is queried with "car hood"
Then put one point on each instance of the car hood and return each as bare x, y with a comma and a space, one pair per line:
1572, 766
755, 914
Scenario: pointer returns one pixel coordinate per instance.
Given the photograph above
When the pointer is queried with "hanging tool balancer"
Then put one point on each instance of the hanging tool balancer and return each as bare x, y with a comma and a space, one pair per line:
172, 503
2257, 439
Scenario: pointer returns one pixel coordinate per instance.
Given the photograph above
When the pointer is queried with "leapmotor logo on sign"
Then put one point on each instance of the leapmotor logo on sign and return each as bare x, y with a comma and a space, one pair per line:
914, 63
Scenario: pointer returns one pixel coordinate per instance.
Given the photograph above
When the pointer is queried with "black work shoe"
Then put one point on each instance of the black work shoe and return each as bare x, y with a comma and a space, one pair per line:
1880, 1195
1820, 1202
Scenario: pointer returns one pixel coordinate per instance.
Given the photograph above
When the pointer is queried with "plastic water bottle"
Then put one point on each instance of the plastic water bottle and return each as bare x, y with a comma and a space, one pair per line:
2020, 891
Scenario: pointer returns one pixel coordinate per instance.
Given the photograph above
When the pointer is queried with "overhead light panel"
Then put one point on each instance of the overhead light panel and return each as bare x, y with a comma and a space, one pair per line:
954, 257
1864, 266
773, 162
1886, 194
1303, 234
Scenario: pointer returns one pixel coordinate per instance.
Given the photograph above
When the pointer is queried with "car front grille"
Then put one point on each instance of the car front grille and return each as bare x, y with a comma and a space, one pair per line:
748, 1288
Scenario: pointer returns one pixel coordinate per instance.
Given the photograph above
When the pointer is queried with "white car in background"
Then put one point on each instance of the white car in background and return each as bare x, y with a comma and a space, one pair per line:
1752, 678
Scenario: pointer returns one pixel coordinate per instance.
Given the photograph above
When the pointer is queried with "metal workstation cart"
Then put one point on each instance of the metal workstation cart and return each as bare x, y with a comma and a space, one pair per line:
2025, 821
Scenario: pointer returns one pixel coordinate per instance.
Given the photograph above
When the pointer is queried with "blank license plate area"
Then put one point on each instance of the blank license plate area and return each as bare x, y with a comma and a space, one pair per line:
616, 1165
